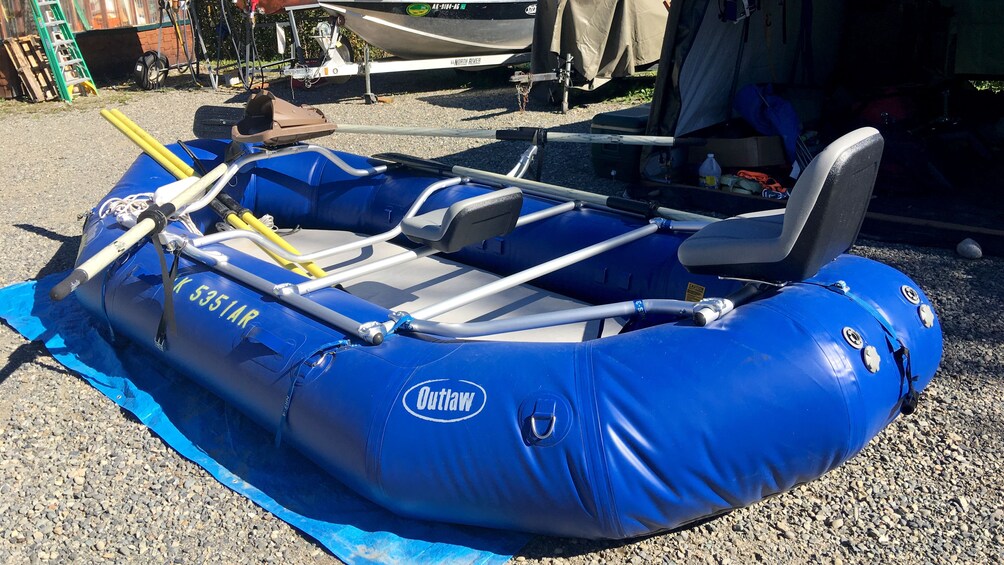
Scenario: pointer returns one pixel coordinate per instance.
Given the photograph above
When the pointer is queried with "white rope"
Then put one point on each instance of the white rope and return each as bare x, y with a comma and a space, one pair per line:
127, 210
269, 222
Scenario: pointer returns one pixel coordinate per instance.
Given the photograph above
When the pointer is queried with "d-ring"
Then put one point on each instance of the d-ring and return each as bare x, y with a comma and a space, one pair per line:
553, 419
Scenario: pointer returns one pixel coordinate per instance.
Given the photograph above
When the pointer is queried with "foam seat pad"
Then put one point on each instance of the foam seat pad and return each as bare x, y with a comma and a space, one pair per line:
750, 237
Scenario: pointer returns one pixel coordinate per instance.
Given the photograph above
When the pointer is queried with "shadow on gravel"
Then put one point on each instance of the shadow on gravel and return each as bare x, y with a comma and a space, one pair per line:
388, 85
543, 547
240, 97
62, 260
64, 257
30, 352
488, 102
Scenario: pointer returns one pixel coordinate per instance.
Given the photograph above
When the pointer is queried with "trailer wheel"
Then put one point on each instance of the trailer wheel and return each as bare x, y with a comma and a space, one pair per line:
345, 52
150, 70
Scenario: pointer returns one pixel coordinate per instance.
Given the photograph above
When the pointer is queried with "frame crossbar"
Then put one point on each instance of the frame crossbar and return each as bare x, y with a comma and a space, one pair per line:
548, 319
527, 275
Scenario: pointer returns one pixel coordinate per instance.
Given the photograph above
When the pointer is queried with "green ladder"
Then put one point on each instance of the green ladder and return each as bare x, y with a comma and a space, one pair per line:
68, 67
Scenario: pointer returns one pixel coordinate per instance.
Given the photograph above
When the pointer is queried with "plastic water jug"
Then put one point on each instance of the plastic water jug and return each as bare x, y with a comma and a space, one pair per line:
709, 173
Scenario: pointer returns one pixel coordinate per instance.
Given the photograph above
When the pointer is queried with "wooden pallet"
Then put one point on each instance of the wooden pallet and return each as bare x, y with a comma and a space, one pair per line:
32, 67
10, 83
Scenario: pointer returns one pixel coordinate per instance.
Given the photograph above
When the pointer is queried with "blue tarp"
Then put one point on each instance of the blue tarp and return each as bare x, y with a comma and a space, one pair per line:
240, 454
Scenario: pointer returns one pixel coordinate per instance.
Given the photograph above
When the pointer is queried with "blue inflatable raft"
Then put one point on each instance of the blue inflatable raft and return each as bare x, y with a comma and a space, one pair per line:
481, 349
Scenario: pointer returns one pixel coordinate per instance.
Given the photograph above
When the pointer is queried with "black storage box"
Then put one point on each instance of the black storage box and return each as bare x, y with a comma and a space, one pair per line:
615, 159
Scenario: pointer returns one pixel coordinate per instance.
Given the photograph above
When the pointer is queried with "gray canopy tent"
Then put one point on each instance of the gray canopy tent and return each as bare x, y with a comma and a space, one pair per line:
604, 39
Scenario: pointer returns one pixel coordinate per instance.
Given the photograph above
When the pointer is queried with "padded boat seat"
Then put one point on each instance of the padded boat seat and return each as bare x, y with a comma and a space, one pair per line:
821, 220
465, 222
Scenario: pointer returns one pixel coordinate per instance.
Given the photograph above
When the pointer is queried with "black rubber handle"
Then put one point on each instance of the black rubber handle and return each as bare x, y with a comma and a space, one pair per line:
220, 208
521, 134
629, 205
234, 205
417, 163
64, 287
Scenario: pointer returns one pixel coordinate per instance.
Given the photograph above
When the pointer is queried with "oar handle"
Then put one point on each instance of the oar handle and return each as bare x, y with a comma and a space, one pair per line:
97, 262
64, 287
151, 221
618, 139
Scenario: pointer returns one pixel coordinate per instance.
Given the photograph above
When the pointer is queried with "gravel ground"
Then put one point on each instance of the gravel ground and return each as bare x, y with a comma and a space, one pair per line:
81, 480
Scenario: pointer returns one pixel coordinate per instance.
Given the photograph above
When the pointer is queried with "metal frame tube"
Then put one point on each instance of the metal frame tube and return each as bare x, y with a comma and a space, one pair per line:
548, 319
350, 273
689, 225
316, 255
558, 137
523, 165
547, 213
373, 332
297, 48
339, 321
362, 270
533, 273
240, 162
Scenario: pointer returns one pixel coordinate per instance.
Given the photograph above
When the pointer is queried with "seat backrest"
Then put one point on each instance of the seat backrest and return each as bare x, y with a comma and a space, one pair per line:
468, 221
822, 219
828, 202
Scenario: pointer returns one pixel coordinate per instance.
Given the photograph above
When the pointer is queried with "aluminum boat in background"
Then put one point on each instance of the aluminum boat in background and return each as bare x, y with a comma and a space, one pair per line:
414, 30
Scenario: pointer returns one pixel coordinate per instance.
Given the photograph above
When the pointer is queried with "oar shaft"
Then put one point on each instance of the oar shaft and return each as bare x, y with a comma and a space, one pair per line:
522, 134
574, 194
100, 260
158, 146
180, 169
425, 132
616, 139
147, 148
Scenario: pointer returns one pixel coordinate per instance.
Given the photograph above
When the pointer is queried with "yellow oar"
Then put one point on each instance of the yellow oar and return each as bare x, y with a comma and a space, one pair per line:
261, 228
180, 169
158, 146
150, 149
230, 217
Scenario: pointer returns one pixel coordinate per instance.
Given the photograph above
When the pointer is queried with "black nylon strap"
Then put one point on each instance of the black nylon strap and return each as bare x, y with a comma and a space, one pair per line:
167, 322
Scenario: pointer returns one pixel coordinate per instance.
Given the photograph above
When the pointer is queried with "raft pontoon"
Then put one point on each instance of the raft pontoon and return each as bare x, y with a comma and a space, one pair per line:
477, 348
